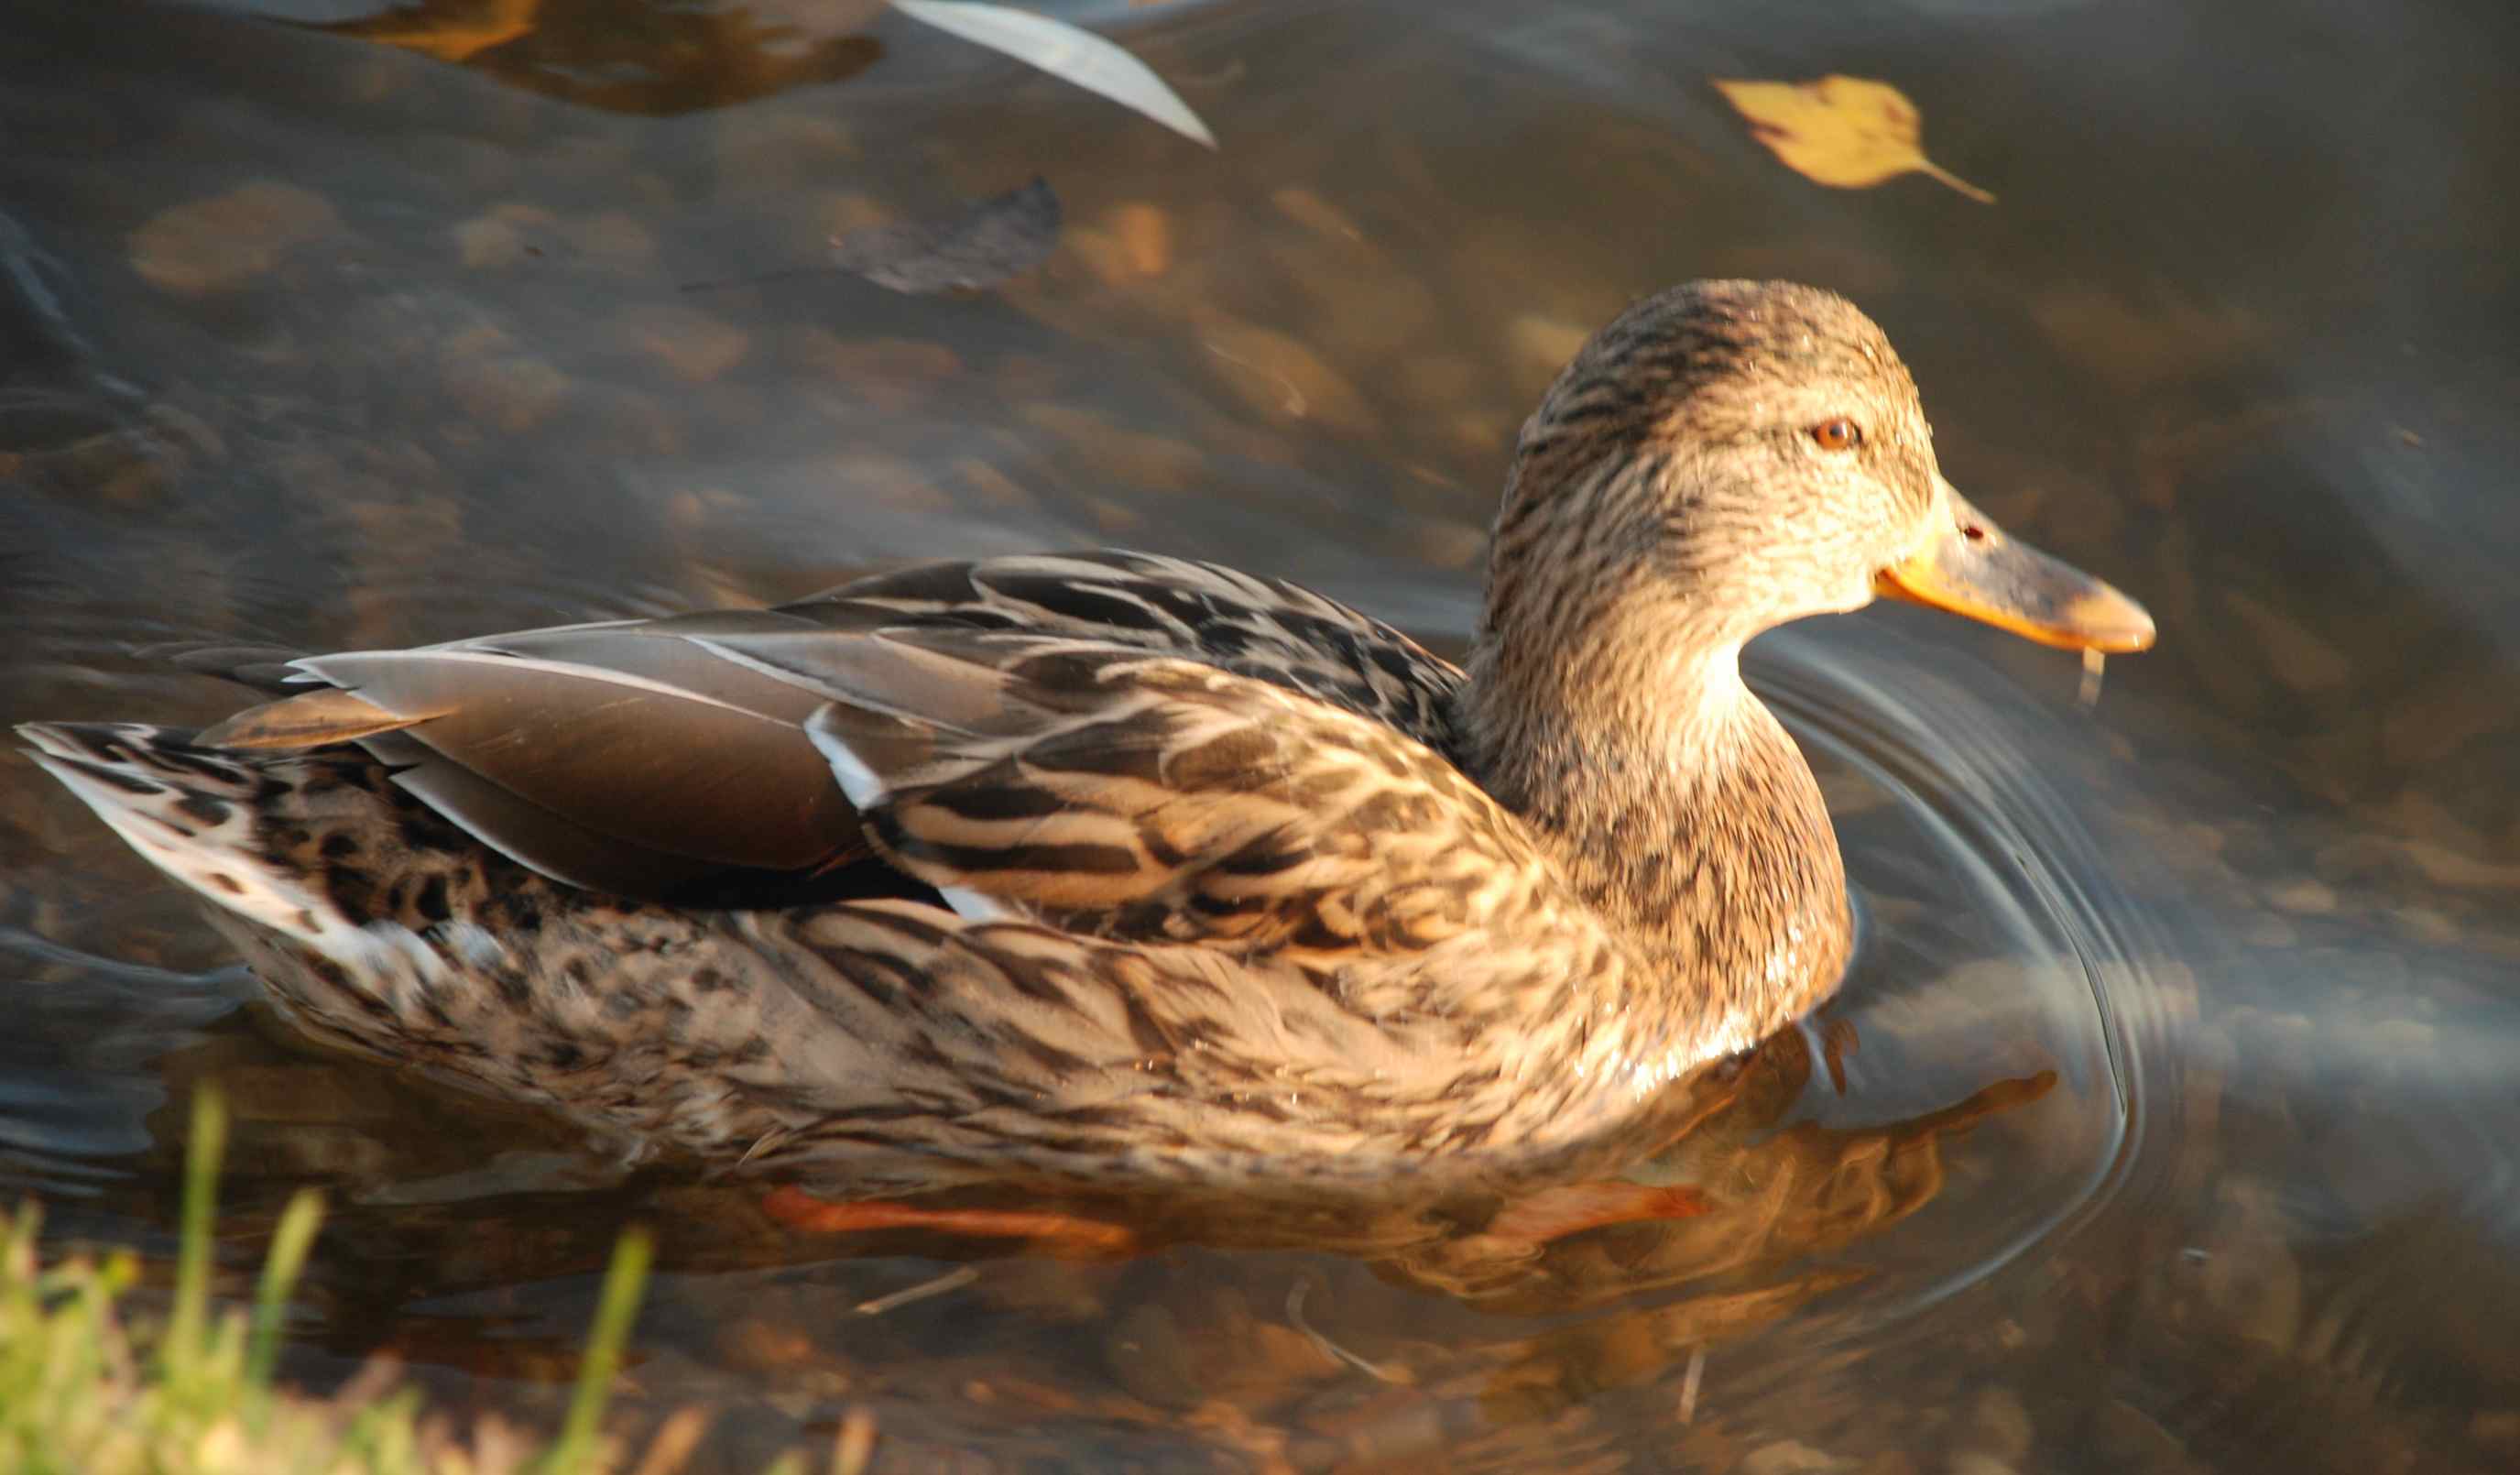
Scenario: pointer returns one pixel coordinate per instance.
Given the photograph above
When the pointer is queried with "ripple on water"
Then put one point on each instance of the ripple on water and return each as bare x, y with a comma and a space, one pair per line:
78, 1063
1996, 944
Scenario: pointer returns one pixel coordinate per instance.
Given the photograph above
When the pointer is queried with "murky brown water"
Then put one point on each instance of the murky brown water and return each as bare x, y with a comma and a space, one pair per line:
2176, 1131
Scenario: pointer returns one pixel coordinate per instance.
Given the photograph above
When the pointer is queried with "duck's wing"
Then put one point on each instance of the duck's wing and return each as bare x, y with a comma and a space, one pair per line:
1123, 794
668, 758
633, 757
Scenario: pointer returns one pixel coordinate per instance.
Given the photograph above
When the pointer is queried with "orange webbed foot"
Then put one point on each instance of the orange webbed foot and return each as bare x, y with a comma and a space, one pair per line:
1059, 1233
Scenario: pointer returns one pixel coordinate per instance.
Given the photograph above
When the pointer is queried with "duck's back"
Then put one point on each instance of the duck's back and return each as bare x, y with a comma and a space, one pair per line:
1269, 629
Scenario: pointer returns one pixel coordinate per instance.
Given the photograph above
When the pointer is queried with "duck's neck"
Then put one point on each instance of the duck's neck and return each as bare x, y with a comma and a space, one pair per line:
1677, 806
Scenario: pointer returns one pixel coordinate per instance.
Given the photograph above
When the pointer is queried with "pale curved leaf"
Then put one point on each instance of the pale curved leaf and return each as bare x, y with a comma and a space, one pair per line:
1064, 52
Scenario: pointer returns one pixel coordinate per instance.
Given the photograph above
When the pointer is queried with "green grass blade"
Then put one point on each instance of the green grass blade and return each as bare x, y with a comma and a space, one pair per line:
298, 1224
614, 1313
184, 1329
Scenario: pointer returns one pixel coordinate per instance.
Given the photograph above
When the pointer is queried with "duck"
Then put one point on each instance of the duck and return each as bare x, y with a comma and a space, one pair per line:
1118, 867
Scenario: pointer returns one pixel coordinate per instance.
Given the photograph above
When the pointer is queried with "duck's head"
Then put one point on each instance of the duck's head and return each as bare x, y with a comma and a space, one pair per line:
1728, 456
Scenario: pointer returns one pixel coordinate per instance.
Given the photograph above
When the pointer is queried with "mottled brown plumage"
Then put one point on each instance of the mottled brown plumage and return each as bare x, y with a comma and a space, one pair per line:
1112, 866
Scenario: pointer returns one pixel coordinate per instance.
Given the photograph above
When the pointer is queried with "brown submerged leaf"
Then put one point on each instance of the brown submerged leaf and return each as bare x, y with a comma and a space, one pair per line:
995, 240
1849, 132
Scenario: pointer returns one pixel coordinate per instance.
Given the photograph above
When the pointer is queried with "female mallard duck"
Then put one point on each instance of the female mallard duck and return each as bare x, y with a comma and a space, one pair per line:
1117, 866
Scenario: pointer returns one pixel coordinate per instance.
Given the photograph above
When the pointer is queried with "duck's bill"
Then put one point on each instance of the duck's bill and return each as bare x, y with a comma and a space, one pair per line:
1969, 567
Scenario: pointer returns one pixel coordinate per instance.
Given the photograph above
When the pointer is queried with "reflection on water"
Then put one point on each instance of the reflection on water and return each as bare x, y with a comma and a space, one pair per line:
630, 58
2165, 1123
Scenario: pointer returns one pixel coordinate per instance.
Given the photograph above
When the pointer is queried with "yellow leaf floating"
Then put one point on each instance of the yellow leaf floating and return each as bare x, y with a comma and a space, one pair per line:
1849, 132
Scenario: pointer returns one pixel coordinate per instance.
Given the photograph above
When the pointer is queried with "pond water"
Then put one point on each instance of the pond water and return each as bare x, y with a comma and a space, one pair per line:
2167, 1122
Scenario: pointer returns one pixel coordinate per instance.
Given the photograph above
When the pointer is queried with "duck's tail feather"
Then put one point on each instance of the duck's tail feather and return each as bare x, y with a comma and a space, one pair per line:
198, 815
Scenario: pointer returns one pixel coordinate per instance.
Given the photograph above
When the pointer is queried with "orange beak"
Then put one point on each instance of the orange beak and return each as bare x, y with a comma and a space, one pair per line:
1968, 566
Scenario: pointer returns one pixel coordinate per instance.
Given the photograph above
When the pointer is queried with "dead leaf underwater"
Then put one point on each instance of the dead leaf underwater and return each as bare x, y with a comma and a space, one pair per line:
1849, 132
993, 241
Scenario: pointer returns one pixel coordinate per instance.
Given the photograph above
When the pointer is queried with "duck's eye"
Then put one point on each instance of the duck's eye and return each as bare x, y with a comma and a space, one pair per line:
1839, 434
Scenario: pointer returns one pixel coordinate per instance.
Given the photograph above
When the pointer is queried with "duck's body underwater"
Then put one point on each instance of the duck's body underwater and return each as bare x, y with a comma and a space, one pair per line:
1116, 867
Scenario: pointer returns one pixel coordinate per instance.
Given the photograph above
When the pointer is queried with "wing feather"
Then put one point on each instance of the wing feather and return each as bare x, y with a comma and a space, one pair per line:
672, 768
310, 718
1084, 730
534, 836
1149, 797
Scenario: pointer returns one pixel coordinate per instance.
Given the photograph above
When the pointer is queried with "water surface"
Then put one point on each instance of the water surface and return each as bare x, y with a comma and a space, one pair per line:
2174, 1093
